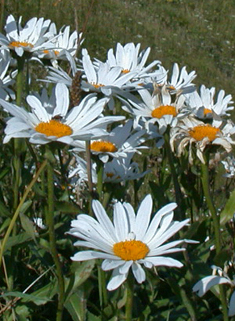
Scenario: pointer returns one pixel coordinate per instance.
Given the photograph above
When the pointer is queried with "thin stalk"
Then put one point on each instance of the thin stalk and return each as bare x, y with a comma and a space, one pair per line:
102, 288
16, 214
2, 15
216, 224
52, 240
89, 174
19, 79
210, 204
18, 143
100, 170
178, 193
130, 298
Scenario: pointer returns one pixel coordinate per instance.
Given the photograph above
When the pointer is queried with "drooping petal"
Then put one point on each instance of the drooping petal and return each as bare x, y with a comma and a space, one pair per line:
202, 286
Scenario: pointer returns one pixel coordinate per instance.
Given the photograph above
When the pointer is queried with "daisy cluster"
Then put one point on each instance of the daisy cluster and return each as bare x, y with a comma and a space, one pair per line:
148, 102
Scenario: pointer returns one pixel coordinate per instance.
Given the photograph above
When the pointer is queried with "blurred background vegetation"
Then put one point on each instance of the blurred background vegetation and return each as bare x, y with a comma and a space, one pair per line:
195, 33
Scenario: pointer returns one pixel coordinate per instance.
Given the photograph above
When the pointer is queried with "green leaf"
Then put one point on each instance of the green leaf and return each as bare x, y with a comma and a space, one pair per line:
28, 226
48, 291
4, 211
80, 273
26, 297
17, 240
229, 209
76, 306
67, 207
92, 317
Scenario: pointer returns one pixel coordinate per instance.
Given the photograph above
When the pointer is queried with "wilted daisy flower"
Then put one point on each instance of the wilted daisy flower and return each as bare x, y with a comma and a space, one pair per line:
205, 104
29, 38
116, 171
63, 45
121, 141
56, 123
6, 80
205, 284
130, 59
191, 130
180, 81
130, 241
160, 108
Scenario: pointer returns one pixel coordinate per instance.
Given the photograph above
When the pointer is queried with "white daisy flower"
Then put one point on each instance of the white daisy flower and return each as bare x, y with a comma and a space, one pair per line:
56, 123
6, 80
180, 81
130, 59
63, 45
121, 141
192, 131
205, 284
110, 81
29, 38
130, 241
116, 171
205, 105
160, 108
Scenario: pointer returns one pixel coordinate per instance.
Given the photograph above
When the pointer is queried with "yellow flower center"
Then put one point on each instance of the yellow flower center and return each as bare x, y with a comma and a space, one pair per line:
56, 52
97, 85
161, 111
207, 111
125, 71
201, 131
130, 250
103, 146
110, 175
53, 128
20, 44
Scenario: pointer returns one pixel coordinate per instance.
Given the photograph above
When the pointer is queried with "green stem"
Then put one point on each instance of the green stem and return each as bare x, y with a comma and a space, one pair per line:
102, 288
52, 240
19, 144
100, 170
16, 214
130, 297
89, 174
210, 204
216, 224
178, 193
19, 79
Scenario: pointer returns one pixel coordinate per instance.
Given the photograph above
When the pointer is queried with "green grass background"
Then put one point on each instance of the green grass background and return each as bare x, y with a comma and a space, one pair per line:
195, 33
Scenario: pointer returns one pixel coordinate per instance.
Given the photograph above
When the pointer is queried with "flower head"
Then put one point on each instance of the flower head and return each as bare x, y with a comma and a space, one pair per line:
130, 241
63, 46
29, 38
205, 104
116, 171
190, 131
180, 81
130, 59
121, 141
52, 121
160, 109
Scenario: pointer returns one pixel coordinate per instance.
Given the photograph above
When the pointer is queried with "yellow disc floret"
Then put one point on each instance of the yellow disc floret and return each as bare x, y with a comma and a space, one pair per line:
103, 146
97, 85
202, 131
207, 111
130, 250
18, 44
161, 111
54, 128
